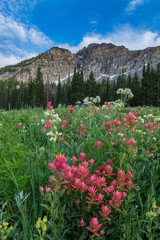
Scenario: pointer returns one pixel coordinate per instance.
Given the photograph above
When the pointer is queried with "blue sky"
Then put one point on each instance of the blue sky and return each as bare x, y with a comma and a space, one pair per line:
30, 27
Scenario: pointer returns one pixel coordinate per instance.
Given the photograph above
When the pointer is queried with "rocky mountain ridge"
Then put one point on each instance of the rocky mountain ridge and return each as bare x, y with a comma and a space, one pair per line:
104, 60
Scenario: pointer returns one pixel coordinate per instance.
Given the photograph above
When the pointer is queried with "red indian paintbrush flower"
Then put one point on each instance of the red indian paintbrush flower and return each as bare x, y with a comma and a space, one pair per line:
105, 212
98, 144
94, 226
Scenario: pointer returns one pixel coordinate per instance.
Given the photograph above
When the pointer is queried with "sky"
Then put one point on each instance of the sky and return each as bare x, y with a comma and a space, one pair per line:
30, 27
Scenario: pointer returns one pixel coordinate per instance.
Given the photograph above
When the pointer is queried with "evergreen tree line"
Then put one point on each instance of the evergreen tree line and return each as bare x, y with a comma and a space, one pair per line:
35, 93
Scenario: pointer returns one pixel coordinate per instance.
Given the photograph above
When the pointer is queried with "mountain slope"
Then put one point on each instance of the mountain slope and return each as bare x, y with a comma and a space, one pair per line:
104, 60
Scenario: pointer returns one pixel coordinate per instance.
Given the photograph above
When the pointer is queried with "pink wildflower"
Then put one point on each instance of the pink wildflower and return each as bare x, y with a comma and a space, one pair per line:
105, 212
107, 125
18, 125
94, 226
82, 223
41, 190
49, 104
98, 144
148, 152
83, 128
82, 156
64, 124
48, 124
48, 189
116, 199
74, 159
78, 201
58, 164
91, 161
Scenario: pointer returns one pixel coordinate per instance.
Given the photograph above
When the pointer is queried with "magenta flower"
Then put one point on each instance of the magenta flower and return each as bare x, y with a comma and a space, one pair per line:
48, 189
58, 164
18, 125
82, 223
98, 144
94, 226
82, 156
105, 212
48, 124
83, 128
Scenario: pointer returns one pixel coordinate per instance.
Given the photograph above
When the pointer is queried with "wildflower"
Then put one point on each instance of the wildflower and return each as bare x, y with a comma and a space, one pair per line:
48, 124
99, 198
64, 124
48, 189
105, 212
116, 199
19, 125
74, 159
107, 125
83, 128
58, 164
71, 110
82, 156
97, 99
131, 142
148, 152
82, 134
51, 108
91, 161
94, 226
78, 201
41, 190
120, 91
98, 144
49, 104
82, 223
102, 232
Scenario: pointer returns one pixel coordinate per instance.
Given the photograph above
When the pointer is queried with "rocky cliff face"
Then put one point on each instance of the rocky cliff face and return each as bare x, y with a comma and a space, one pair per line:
55, 63
107, 60
104, 60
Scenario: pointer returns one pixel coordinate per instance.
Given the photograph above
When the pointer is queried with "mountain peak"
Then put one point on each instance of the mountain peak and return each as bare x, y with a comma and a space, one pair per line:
104, 60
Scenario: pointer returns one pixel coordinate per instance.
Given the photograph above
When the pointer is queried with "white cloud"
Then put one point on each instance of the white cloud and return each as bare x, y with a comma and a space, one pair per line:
17, 7
12, 30
19, 41
133, 5
134, 39
13, 59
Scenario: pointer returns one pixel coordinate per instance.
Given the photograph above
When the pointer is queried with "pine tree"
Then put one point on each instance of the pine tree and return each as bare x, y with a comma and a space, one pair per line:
59, 93
157, 92
147, 84
136, 90
143, 86
91, 86
68, 90
129, 81
31, 93
153, 87
39, 88
77, 86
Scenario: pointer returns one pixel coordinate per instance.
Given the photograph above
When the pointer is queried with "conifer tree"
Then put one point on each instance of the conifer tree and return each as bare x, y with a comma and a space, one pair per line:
143, 86
136, 90
91, 90
59, 93
68, 90
157, 92
39, 88
77, 86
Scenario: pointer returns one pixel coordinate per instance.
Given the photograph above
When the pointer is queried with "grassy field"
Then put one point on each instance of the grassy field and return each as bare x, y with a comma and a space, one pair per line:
80, 173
